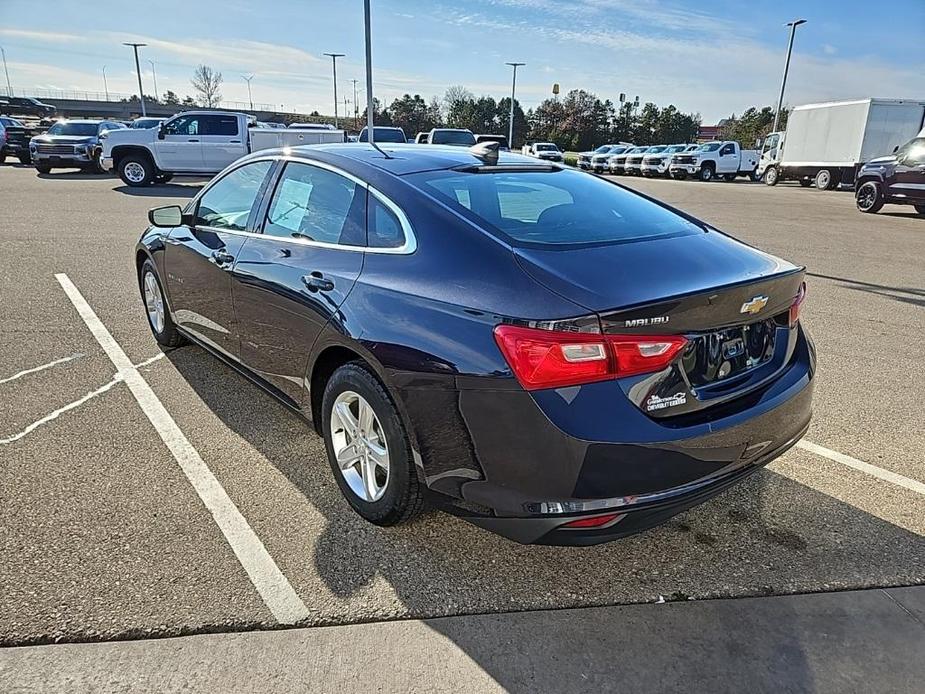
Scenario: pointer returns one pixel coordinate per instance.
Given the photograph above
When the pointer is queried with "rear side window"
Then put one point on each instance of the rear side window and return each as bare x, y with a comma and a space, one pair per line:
218, 125
383, 228
315, 204
552, 209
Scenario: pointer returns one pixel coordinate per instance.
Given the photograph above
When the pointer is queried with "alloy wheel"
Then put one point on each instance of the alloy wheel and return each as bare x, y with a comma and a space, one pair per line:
360, 446
154, 302
867, 196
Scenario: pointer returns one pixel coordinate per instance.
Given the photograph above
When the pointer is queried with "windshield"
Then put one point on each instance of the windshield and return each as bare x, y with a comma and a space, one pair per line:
552, 209
79, 129
655, 150
917, 144
639, 150
546, 148
452, 137
709, 147
384, 135
602, 149
675, 148
618, 150
146, 123
11, 122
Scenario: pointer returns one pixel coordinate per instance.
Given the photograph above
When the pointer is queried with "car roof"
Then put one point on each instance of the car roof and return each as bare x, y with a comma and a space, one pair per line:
403, 158
90, 121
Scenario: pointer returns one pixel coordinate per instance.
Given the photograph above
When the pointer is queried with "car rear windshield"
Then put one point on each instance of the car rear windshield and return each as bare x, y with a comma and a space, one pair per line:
546, 148
80, 129
452, 137
385, 135
552, 209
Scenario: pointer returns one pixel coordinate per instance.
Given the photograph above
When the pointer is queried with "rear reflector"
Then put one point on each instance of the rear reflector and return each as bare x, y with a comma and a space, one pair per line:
594, 521
553, 359
797, 303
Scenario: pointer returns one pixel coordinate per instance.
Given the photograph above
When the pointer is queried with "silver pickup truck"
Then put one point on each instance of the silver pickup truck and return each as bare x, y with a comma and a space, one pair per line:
71, 144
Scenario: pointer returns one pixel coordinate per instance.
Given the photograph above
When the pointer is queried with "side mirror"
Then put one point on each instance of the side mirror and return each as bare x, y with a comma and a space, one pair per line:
166, 217
160, 132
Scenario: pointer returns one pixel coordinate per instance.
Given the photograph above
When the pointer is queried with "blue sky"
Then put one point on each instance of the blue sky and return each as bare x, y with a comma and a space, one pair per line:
714, 57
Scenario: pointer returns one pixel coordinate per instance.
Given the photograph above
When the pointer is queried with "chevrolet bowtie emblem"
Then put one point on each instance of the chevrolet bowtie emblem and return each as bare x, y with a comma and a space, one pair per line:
754, 304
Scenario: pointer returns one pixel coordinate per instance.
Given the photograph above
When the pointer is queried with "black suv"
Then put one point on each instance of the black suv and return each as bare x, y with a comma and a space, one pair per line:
898, 179
27, 106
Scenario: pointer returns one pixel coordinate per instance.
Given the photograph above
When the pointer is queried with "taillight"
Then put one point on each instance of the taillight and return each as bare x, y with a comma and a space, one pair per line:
553, 359
595, 521
797, 303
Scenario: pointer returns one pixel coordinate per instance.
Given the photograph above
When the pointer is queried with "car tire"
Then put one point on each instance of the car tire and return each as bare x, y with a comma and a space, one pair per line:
2, 157
381, 495
823, 179
806, 182
729, 177
97, 165
156, 308
869, 197
136, 170
43, 168
706, 173
771, 177
25, 159
920, 209
680, 175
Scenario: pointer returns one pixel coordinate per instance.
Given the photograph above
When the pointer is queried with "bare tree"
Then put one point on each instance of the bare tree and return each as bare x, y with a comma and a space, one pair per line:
207, 83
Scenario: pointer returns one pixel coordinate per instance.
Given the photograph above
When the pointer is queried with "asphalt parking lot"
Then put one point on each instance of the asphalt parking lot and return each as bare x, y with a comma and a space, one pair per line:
103, 536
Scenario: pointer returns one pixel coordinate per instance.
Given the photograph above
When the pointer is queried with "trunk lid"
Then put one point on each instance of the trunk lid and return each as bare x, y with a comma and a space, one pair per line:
729, 300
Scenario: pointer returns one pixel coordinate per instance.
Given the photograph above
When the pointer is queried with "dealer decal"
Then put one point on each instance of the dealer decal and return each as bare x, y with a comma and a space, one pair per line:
656, 403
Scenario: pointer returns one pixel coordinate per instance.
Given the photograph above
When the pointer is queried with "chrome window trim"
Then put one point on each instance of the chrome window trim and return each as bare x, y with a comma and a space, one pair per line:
407, 248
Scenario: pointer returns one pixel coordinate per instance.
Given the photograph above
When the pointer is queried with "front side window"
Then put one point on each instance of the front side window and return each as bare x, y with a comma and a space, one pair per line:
227, 204
728, 149
315, 204
552, 209
183, 125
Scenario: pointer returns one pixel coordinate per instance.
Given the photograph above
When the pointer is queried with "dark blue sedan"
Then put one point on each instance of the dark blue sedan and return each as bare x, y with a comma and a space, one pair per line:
544, 352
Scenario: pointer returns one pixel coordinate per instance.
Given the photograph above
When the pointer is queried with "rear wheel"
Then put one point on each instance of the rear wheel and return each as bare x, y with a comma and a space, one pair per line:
771, 177
706, 173
729, 177
920, 209
823, 180
162, 325
869, 197
136, 170
368, 448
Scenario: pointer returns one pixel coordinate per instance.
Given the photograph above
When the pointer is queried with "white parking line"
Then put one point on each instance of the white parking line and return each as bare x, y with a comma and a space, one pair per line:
51, 416
878, 472
36, 369
274, 588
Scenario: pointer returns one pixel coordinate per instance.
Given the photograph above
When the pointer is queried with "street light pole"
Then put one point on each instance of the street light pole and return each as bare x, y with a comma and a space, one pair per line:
105, 85
334, 57
510, 130
250, 98
9, 89
783, 83
141, 93
356, 106
154, 75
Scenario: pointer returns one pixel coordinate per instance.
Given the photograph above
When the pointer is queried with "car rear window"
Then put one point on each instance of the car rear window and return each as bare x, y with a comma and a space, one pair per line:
452, 137
561, 208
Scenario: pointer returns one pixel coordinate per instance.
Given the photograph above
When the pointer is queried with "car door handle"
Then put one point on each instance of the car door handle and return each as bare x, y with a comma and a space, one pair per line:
221, 257
316, 282
192, 140
234, 142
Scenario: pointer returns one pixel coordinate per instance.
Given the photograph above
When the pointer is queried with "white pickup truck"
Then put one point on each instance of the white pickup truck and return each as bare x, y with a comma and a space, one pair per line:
196, 143
714, 159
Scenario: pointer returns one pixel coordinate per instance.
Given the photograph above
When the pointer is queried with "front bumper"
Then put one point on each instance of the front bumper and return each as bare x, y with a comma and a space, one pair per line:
689, 169
550, 457
106, 163
63, 160
654, 169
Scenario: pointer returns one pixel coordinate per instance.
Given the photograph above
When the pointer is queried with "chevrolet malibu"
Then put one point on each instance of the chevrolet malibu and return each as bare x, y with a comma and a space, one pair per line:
545, 353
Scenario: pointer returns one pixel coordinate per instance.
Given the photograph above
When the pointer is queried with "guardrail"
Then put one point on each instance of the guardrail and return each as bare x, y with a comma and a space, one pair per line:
120, 98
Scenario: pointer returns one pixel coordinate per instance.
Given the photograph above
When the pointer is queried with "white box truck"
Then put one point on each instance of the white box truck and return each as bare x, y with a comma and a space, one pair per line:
825, 144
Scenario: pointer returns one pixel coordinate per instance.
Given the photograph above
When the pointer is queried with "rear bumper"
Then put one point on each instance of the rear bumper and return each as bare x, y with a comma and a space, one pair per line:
543, 459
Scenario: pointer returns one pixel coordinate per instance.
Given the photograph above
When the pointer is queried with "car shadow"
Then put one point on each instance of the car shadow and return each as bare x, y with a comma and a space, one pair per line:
75, 175
912, 214
768, 535
162, 190
916, 296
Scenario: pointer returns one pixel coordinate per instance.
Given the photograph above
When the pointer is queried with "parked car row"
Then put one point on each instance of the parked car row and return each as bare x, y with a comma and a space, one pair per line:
706, 161
14, 140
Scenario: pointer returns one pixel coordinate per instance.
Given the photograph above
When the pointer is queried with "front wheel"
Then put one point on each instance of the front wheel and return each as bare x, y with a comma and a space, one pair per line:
159, 320
25, 159
869, 197
368, 448
43, 168
706, 173
771, 177
136, 171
